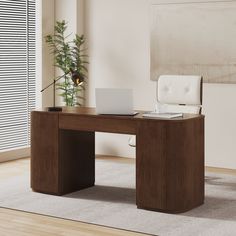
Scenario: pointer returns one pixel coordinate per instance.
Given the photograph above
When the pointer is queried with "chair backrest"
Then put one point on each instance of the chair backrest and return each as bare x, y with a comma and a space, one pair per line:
180, 93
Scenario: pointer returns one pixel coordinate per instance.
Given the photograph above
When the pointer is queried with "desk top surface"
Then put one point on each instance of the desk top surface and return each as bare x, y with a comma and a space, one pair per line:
91, 111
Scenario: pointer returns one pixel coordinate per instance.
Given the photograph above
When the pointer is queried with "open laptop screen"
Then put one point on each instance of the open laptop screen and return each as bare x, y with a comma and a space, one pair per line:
114, 101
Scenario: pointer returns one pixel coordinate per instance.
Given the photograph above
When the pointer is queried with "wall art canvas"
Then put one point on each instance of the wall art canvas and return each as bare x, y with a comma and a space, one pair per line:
194, 38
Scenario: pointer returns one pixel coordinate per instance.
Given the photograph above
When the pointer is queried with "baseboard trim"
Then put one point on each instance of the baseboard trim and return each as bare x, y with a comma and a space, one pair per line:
25, 152
221, 170
116, 158
132, 160
14, 154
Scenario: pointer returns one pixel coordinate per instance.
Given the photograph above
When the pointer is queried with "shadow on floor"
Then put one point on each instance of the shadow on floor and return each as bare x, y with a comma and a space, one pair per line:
218, 205
106, 194
220, 200
217, 181
215, 208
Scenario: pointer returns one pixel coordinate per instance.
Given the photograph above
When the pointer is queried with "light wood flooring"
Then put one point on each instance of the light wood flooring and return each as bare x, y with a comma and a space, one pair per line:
18, 223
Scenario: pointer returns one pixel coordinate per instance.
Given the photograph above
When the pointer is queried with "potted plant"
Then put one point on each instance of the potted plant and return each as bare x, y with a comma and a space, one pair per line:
69, 57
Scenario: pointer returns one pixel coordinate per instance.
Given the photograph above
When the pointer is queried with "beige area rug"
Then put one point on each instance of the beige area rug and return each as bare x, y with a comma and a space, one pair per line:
112, 203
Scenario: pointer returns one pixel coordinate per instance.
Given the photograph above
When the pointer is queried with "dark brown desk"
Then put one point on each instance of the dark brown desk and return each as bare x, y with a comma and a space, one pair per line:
169, 155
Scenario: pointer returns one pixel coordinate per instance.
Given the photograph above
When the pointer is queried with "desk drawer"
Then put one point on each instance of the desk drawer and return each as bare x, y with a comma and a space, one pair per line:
96, 123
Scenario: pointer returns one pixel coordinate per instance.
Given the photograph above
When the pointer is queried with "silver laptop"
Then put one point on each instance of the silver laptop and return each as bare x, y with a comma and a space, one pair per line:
114, 101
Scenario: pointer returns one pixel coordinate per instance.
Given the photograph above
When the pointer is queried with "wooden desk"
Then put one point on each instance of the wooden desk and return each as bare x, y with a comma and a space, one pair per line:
169, 155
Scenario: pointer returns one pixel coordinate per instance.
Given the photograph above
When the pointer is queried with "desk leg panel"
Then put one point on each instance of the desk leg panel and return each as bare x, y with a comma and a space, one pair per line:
62, 161
44, 152
77, 160
185, 165
170, 165
151, 165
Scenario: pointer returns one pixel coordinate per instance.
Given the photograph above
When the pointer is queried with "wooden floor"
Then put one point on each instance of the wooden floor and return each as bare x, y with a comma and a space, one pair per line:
18, 223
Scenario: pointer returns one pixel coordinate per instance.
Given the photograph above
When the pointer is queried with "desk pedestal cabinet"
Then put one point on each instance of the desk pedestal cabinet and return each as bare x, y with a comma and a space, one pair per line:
169, 155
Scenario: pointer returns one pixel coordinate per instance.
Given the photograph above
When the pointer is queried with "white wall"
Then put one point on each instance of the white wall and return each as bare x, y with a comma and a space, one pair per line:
67, 10
72, 11
48, 15
220, 124
118, 38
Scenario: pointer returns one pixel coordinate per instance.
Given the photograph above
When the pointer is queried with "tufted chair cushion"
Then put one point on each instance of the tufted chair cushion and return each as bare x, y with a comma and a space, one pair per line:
179, 89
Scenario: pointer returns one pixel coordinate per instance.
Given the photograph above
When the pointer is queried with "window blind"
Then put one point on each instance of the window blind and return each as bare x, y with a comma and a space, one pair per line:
17, 72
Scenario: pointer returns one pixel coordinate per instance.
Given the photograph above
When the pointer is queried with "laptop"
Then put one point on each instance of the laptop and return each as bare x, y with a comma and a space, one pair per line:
114, 101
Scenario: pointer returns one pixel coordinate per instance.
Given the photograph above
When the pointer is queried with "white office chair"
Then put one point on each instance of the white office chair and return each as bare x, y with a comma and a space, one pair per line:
177, 93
